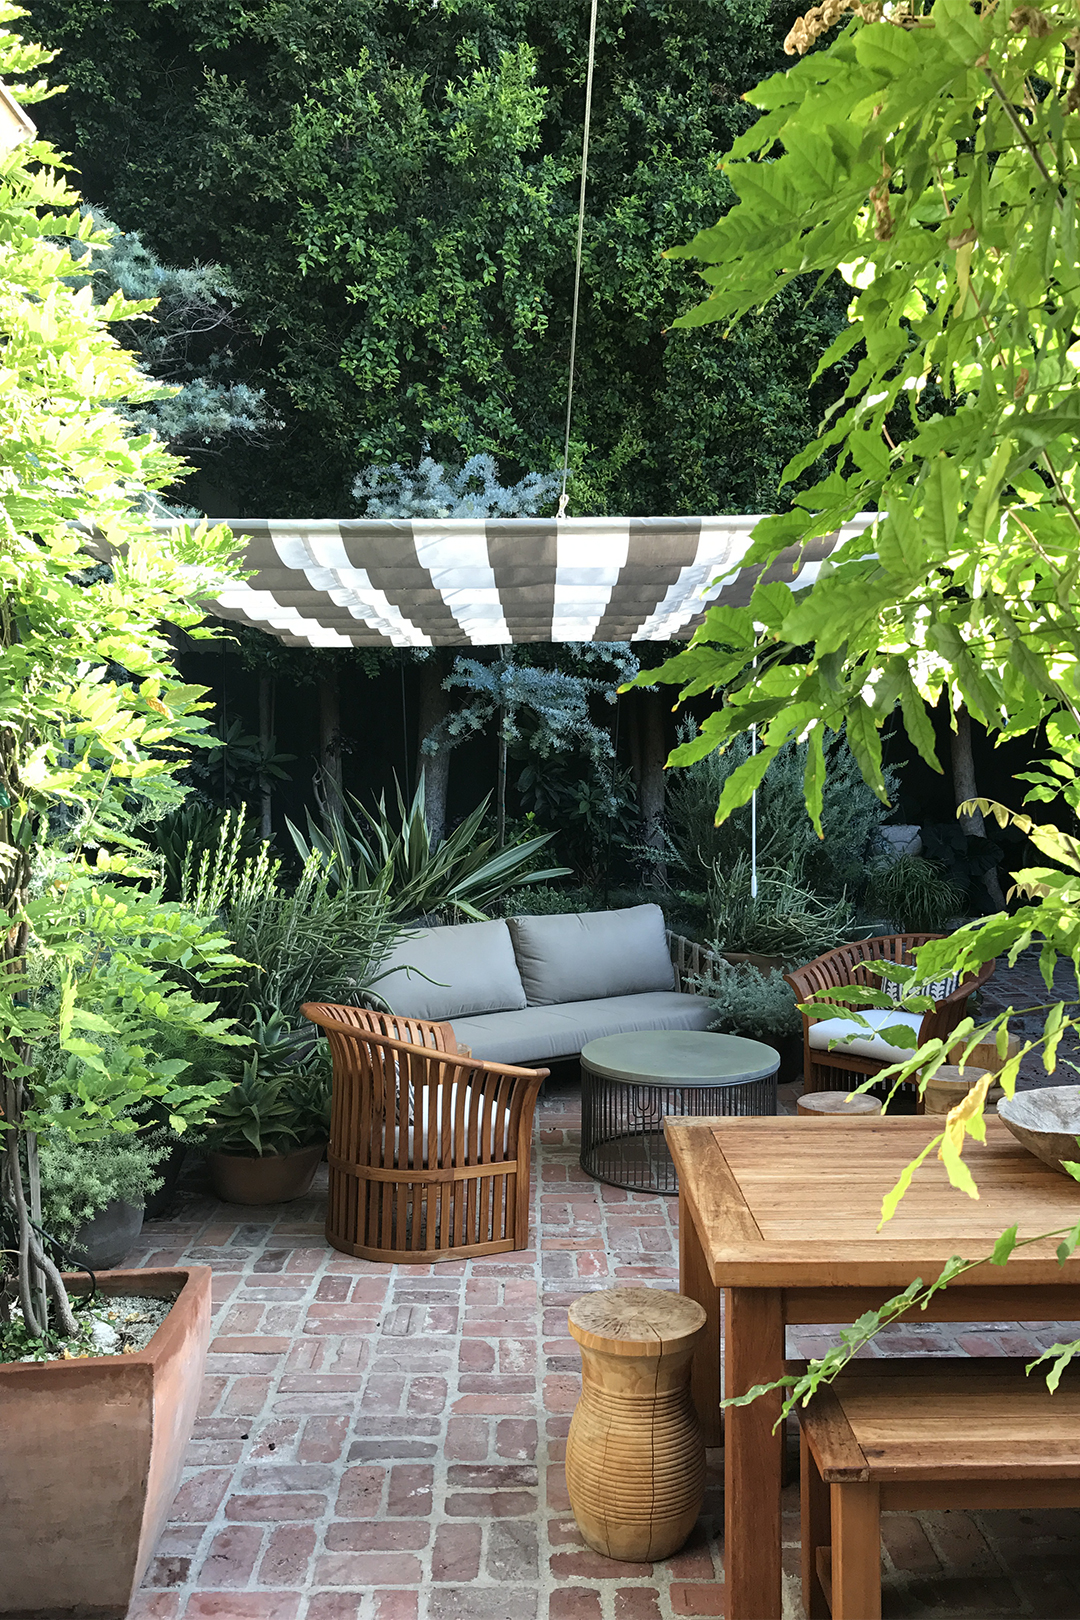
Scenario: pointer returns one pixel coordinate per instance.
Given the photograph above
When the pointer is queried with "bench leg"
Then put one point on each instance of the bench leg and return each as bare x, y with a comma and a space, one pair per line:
816, 1532
856, 1552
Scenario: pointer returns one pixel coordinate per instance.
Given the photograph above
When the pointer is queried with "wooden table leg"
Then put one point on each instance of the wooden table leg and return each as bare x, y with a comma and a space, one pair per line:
753, 1457
816, 1528
856, 1552
695, 1280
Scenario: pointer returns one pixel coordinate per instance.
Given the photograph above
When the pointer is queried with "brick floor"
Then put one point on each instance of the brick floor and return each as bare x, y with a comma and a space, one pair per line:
387, 1443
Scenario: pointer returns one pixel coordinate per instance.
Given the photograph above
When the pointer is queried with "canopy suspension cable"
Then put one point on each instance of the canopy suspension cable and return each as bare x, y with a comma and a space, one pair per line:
563, 497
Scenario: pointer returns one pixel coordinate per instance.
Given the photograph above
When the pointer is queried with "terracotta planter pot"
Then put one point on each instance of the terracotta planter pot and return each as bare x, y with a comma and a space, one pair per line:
275, 1179
90, 1457
764, 964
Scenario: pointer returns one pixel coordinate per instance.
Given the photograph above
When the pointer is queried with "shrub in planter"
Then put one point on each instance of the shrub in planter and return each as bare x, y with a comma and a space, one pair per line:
93, 1193
915, 894
851, 815
758, 1005
95, 725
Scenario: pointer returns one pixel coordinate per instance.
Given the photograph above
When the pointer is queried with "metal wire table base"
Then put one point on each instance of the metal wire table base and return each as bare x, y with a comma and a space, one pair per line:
622, 1124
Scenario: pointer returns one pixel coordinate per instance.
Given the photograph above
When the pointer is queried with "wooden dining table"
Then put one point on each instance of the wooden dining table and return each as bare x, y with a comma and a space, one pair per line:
778, 1217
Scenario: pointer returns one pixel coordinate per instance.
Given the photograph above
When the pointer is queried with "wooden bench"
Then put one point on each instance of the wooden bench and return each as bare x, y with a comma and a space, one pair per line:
924, 1432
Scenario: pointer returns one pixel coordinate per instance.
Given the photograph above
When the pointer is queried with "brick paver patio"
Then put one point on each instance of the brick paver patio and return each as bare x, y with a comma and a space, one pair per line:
386, 1443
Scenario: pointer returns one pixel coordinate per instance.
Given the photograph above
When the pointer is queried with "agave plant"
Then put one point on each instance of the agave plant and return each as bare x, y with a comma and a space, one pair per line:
282, 1101
461, 873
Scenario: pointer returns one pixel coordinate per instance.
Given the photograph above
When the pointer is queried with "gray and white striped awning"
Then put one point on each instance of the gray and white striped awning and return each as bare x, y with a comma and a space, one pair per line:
461, 582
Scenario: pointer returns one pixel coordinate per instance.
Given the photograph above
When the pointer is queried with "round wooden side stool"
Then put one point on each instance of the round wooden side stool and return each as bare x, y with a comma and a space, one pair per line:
635, 1456
837, 1102
951, 1085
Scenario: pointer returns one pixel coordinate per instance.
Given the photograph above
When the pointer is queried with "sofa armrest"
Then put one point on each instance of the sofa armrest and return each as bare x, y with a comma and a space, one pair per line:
689, 959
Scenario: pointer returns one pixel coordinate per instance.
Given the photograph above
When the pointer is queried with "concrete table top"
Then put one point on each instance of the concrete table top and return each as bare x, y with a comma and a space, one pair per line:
679, 1057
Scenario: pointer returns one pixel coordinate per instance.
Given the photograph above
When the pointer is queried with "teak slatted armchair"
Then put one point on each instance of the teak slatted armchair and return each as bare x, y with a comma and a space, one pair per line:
826, 1069
429, 1150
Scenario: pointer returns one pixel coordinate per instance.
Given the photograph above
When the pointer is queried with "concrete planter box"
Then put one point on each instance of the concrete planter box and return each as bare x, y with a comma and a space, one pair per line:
90, 1457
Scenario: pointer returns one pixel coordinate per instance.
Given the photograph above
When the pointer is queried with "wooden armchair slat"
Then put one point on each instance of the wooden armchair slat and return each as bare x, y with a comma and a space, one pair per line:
847, 964
417, 1031
429, 1151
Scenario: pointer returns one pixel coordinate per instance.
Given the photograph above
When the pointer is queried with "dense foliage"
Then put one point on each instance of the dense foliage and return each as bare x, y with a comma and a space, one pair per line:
186, 342
930, 154
312, 940
832, 864
93, 717
392, 189
395, 857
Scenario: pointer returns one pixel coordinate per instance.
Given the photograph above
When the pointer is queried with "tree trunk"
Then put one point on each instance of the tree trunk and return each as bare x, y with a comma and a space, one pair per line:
330, 744
964, 788
500, 794
266, 741
652, 752
435, 768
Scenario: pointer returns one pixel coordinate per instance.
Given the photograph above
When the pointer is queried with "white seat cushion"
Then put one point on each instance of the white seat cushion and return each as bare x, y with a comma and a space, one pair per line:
540, 1034
446, 1107
829, 1031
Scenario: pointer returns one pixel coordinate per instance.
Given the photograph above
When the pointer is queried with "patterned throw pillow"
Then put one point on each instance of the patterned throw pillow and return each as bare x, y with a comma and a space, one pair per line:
936, 989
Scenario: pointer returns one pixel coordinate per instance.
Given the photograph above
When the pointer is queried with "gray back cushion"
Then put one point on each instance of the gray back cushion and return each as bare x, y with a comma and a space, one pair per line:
590, 954
472, 966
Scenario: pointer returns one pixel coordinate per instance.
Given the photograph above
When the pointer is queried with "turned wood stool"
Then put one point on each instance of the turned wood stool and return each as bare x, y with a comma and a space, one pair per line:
951, 1085
838, 1102
635, 1456
924, 1432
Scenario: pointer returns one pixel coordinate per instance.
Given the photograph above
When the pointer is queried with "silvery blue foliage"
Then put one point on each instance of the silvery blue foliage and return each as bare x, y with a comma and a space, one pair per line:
556, 701
194, 313
432, 490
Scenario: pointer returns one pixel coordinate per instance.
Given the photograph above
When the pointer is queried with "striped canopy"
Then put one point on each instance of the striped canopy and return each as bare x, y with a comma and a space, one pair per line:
474, 582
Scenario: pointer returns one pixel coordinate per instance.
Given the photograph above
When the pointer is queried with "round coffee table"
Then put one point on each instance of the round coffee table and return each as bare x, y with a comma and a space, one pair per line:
629, 1083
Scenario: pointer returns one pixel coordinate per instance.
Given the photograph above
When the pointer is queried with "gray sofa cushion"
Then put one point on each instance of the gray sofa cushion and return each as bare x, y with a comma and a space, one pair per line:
472, 966
591, 954
539, 1034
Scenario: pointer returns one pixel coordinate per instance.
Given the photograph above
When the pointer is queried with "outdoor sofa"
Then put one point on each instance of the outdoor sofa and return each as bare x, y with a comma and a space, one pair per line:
527, 990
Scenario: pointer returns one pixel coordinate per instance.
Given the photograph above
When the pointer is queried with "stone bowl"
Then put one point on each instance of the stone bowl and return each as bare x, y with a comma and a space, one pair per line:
1046, 1122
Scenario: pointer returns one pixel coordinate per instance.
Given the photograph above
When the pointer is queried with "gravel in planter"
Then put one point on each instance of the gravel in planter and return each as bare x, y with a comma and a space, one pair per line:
114, 1325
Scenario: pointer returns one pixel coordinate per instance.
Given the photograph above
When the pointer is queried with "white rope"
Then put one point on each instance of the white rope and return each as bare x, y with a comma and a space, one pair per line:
563, 498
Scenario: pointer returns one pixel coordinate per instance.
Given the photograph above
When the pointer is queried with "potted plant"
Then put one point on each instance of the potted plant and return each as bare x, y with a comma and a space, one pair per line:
757, 1004
784, 923
268, 1134
93, 1194
92, 728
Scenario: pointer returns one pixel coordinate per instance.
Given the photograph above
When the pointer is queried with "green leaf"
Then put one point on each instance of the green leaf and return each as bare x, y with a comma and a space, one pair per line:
742, 782
1061, 1355
865, 741
891, 1202
1004, 1246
